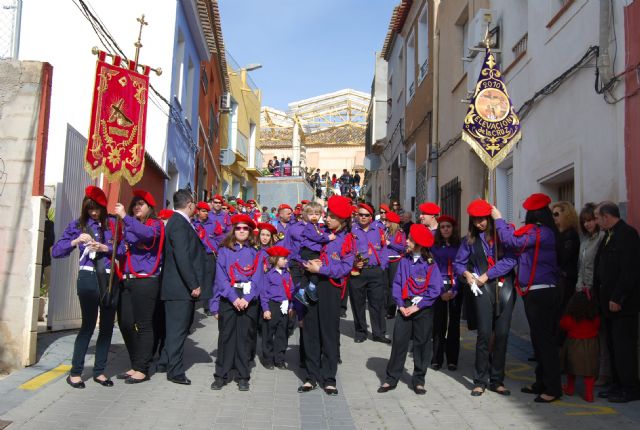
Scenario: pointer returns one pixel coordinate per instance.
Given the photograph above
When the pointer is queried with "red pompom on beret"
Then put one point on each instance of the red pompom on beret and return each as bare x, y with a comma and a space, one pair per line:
536, 201
421, 235
96, 194
429, 208
479, 208
146, 196
393, 217
340, 206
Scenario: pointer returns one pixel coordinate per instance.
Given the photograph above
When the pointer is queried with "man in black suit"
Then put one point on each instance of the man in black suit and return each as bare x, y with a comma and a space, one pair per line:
617, 287
183, 276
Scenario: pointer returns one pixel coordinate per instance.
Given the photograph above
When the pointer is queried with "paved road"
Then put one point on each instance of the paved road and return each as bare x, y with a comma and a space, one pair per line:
273, 403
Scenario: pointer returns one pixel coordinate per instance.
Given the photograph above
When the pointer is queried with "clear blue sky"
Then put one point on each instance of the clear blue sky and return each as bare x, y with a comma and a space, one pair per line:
306, 47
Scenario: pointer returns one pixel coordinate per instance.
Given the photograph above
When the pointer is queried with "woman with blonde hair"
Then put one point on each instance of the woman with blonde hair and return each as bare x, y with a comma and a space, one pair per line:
568, 248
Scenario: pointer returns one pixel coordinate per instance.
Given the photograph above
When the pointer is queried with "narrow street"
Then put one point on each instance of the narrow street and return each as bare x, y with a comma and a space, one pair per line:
273, 403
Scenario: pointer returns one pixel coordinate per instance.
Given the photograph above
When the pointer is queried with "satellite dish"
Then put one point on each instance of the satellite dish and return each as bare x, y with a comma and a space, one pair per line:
372, 162
227, 157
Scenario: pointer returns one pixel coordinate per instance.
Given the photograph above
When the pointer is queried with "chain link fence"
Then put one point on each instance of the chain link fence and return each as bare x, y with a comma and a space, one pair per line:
10, 11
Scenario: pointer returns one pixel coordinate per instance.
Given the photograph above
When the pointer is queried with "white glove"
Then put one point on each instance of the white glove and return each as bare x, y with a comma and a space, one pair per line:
416, 300
284, 307
246, 288
475, 290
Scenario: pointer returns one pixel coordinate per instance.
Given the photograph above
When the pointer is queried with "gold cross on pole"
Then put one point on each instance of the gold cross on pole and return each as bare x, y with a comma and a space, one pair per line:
138, 45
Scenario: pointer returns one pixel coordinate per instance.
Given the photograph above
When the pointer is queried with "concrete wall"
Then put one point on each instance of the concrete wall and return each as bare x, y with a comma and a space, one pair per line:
21, 215
274, 191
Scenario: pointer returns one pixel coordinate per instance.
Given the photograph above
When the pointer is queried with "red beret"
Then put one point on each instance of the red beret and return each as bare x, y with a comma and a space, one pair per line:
203, 205
165, 214
429, 208
340, 206
393, 217
304, 202
536, 201
367, 208
232, 209
243, 219
266, 226
218, 197
251, 201
297, 211
284, 206
479, 208
446, 218
354, 209
146, 196
384, 207
278, 251
96, 194
421, 235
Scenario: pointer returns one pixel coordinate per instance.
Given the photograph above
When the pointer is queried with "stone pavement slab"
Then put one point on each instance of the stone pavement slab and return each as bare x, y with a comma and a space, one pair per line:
273, 403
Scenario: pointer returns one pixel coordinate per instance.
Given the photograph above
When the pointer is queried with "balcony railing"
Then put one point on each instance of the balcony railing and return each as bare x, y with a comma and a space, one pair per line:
258, 160
424, 68
242, 143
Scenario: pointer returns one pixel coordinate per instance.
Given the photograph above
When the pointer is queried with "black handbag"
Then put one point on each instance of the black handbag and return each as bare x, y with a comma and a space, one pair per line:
108, 296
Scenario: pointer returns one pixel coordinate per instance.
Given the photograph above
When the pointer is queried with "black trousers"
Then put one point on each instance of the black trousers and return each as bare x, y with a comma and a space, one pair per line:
446, 330
307, 278
489, 366
390, 276
543, 313
179, 315
236, 340
296, 276
89, 296
369, 287
274, 335
622, 342
416, 328
322, 333
138, 300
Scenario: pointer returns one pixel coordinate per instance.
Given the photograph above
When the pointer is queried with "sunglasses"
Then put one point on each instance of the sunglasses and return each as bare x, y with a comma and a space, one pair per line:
364, 215
383, 212
556, 214
216, 202
243, 228
396, 204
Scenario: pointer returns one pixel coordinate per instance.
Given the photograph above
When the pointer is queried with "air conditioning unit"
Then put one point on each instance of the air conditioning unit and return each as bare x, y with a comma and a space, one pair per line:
477, 30
225, 102
474, 67
402, 159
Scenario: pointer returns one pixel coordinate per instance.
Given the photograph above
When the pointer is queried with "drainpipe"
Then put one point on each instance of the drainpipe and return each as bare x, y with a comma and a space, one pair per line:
432, 185
604, 60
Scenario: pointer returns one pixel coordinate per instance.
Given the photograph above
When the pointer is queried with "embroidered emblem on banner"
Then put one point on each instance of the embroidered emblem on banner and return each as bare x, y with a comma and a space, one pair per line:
491, 126
118, 121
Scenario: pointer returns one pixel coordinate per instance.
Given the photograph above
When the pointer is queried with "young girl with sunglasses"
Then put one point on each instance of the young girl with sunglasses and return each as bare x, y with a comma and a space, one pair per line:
239, 278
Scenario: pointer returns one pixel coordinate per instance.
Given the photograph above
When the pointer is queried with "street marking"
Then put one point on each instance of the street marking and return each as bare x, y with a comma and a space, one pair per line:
590, 409
45, 378
514, 370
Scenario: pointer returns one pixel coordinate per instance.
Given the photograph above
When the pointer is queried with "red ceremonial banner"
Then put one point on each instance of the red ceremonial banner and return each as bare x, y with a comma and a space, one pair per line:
118, 121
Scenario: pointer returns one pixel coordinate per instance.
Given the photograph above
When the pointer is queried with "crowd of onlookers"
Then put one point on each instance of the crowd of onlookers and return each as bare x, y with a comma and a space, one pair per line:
282, 167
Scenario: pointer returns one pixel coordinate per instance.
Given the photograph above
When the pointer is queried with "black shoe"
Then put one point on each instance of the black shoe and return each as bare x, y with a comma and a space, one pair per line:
381, 339
359, 339
122, 376
390, 316
496, 389
452, 367
161, 368
243, 385
331, 391
343, 314
339, 360
383, 389
477, 391
281, 366
106, 383
180, 379
605, 394
217, 384
268, 366
306, 388
530, 390
132, 380
436, 366
208, 313
312, 295
623, 397
540, 399
419, 390
75, 384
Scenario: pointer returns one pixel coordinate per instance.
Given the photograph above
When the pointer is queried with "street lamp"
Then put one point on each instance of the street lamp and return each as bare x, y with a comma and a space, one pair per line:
251, 67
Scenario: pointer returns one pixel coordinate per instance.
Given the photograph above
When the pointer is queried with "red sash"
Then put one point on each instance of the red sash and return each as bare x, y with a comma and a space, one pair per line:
247, 272
287, 286
536, 252
416, 289
202, 233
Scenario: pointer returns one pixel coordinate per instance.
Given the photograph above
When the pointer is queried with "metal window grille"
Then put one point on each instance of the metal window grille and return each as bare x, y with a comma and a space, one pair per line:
566, 192
521, 46
450, 194
10, 11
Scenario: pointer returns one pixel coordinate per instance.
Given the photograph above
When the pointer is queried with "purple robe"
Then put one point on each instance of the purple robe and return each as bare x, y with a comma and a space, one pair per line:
274, 290
206, 232
232, 267
314, 236
370, 244
143, 244
63, 248
417, 271
445, 255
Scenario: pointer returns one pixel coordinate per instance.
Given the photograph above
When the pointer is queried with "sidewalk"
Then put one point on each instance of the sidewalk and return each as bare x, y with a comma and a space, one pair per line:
273, 403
